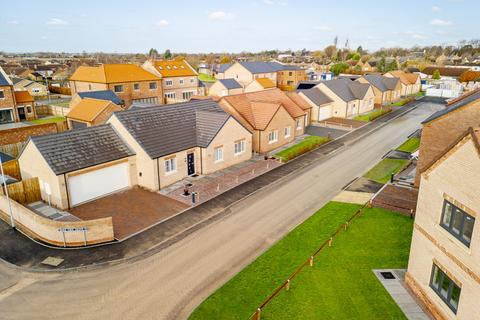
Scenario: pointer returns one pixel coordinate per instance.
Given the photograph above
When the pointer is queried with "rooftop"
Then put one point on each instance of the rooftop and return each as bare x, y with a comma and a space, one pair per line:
88, 109
174, 68
101, 95
230, 83
112, 73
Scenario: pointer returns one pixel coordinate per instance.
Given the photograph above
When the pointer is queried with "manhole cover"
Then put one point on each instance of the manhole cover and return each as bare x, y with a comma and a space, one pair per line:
387, 275
52, 261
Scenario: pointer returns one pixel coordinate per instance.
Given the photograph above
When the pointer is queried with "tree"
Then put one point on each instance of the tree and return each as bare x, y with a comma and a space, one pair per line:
436, 75
353, 56
330, 51
153, 53
382, 65
338, 68
393, 65
225, 59
360, 50
167, 54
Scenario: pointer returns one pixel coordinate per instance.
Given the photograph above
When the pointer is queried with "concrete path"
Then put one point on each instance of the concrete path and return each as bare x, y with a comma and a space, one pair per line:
172, 282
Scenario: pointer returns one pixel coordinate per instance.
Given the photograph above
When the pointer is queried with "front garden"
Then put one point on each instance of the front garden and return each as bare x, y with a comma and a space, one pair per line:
307, 144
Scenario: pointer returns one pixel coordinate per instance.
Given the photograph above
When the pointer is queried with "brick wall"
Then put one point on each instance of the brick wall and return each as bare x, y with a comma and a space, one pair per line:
21, 134
8, 101
441, 133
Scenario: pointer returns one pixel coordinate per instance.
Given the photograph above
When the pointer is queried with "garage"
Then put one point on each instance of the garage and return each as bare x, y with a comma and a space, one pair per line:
324, 112
93, 184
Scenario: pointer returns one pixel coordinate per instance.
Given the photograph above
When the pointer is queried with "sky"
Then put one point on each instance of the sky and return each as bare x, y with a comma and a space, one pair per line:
231, 26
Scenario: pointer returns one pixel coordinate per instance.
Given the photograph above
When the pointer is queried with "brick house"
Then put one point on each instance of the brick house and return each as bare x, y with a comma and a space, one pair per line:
386, 89
8, 110
410, 82
444, 264
129, 82
225, 87
442, 129
179, 78
272, 117
25, 105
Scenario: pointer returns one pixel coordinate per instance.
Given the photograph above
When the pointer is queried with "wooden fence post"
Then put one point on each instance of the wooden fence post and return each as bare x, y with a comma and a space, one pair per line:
311, 261
287, 287
258, 314
330, 242
346, 225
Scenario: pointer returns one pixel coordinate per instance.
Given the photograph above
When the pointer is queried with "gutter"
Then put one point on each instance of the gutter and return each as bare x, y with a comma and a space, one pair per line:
158, 172
66, 189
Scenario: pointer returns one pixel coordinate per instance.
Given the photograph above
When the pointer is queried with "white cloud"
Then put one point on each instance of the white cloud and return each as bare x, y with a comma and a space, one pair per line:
162, 23
418, 36
220, 15
440, 22
270, 2
435, 8
13, 22
322, 28
56, 22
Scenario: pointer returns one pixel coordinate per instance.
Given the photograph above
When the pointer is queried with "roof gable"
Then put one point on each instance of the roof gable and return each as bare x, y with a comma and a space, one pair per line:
88, 109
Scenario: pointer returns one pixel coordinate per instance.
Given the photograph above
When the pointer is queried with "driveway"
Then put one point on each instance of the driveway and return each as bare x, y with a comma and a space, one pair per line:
170, 283
325, 131
131, 210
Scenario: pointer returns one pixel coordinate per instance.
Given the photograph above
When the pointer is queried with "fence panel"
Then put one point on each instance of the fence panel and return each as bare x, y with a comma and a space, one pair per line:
12, 149
12, 169
24, 192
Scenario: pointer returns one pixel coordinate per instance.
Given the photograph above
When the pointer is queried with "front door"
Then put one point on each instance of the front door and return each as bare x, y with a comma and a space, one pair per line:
191, 163
21, 113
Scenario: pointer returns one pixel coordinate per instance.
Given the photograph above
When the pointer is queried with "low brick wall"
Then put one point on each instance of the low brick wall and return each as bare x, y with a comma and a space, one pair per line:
21, 134
50, 231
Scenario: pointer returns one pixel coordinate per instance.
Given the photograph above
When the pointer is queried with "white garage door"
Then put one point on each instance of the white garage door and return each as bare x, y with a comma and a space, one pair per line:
97, 183
325, 113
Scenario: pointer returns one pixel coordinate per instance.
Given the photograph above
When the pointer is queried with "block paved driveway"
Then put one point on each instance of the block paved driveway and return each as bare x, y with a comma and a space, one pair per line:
325, 131
131, 210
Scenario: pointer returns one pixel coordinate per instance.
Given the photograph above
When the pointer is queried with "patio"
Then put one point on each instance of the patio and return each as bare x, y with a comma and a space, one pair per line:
210, 186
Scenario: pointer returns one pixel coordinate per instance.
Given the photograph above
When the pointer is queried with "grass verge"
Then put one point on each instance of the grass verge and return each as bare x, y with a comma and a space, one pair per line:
411, 145
205, 77
340, 285
384, 169
300, 148
47, 120
373, 114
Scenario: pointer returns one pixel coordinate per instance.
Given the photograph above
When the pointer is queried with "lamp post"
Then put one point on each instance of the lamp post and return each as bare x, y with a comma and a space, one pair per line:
12, 221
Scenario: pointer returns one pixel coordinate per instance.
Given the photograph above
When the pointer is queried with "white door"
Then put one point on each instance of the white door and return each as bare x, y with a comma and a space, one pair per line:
324, 113
98, 183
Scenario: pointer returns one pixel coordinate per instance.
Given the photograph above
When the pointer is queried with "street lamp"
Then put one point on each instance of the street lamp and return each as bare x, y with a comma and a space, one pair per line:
4, 181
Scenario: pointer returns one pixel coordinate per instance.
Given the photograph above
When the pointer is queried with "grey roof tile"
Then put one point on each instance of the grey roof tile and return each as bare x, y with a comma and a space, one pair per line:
346, 89
108, 95
230, 83
316, 96
453, 107
166, 129
81, 148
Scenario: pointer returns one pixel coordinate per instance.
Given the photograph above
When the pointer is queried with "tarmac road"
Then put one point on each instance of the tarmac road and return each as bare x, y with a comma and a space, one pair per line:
172, 282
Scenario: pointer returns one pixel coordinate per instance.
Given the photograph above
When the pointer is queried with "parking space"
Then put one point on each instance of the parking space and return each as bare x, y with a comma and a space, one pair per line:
131, 210
321, 131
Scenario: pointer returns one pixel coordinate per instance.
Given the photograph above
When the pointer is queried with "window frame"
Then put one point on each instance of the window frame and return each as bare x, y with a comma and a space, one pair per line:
217, 159
449, 228
170, 95
241, 143
438, 290
115, 88
298, 124
3, 94
289, 132
275, 136
170, 165
181, 81
168, 83
154, 84
136, 85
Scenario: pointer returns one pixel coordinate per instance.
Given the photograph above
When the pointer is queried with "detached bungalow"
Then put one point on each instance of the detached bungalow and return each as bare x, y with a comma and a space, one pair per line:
90, 112
174, 141
322, 105
77, 166
350, 98
386, 89
225, 87
273, 118
410, 82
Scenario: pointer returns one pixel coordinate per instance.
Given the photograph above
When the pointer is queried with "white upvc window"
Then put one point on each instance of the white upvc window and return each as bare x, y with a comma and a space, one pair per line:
170, 95
171, 165
181, 81
118, 88
218, 154
136, 86
273, 136
287, 132
298, 123
2, 94
169, 83
239, 147
192, 80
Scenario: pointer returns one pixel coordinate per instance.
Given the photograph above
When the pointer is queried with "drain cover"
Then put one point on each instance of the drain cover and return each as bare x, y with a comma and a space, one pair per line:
387, 275
52, 261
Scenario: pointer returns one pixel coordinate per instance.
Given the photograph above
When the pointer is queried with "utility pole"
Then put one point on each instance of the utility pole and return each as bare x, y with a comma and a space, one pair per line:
4, 181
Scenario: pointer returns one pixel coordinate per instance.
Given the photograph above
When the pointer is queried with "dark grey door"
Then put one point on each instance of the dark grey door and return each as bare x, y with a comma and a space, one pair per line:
191, 163
21, 113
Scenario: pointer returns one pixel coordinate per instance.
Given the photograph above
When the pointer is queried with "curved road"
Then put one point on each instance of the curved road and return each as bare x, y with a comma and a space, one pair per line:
172, 282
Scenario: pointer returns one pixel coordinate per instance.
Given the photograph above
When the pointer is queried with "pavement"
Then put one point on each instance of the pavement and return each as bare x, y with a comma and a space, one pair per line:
171, 280
325, 131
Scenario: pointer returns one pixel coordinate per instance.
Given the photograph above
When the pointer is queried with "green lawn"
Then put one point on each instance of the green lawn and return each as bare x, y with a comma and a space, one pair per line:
47, 120
205, 77
340, 285
383, 170
411, 145
372, 115
300, 148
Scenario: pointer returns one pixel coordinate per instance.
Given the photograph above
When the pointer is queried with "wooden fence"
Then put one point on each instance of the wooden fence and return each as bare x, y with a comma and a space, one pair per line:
12, 149
24, 192
12, 169
52, 110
